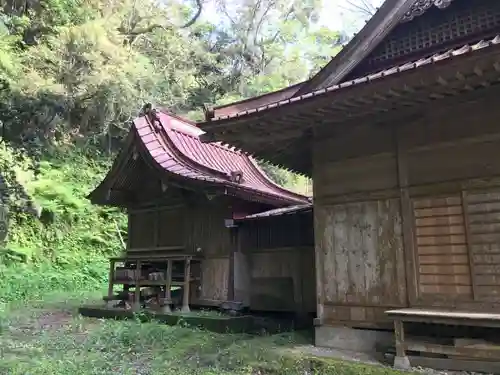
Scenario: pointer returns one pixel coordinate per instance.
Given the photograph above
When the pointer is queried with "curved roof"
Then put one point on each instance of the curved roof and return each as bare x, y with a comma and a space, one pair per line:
175, 147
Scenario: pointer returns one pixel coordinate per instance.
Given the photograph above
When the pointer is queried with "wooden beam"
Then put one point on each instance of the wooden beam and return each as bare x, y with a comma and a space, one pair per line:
491, 353
287, 113
456, 364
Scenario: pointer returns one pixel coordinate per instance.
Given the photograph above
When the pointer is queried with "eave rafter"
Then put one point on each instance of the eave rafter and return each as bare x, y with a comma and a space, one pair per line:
377, 102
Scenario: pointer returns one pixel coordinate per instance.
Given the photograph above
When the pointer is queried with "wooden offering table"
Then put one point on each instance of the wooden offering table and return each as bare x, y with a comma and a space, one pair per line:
482, 358
154, 271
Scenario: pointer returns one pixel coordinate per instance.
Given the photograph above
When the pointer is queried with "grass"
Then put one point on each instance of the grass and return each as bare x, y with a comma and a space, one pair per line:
49, 338
41, 333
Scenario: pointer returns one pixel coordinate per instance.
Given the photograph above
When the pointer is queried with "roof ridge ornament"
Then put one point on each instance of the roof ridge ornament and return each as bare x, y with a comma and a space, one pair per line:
236, 176
152, 115
209, 112
419, 7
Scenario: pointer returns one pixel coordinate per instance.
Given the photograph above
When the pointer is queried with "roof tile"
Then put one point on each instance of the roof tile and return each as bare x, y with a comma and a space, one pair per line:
371, 77
178, 149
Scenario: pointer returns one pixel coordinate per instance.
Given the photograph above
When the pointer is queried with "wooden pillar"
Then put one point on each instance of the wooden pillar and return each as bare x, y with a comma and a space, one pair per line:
409, 274
111, 277
137, 294
234, 244
187, 283
319, 263
401, 361
399, 334
168, 284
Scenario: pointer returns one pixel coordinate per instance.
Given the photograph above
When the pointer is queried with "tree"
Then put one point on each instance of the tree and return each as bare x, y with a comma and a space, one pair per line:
77, 71
355, 13
268, 44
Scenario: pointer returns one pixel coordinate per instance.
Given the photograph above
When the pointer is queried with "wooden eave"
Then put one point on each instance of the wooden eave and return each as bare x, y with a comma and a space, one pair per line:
104, 194
278, 212
387, 17
213, 186
122, 184
117, 188
265, 191
251, 103
269, 132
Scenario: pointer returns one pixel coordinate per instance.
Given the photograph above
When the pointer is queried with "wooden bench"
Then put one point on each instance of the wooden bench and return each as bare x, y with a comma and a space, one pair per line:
460, 318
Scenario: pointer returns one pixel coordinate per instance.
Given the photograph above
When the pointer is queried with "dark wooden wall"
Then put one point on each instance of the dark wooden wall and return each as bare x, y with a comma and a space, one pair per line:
187, 223
408, 214
278, 256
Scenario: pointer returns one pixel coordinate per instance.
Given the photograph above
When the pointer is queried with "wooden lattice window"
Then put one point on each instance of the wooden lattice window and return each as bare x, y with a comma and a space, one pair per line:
465, 21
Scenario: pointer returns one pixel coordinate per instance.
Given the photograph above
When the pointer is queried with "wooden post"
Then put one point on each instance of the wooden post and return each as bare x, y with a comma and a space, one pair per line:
111, 280
168, 296
137, 294
407, 278
401, 361
230, 283
111, 277
399, 334
319, 263
187, 282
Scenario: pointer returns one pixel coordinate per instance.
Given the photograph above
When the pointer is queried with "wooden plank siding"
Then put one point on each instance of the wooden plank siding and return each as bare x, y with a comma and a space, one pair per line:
441, 245
407, 214
279, 253
484, 223
193, 227
363, 270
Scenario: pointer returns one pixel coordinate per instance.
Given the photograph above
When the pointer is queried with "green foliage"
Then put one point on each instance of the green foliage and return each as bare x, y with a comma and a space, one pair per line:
52, 342
70, 251
291, 181
73, 73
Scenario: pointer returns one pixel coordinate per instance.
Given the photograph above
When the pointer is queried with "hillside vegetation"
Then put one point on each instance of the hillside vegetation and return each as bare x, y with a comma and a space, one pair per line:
66, 248
73, 73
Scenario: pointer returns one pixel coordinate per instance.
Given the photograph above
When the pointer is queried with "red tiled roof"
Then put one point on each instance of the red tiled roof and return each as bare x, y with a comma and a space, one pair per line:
175, 146
434, 59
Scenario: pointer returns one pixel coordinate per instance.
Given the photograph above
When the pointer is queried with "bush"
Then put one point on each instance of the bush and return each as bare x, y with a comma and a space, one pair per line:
70, 251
